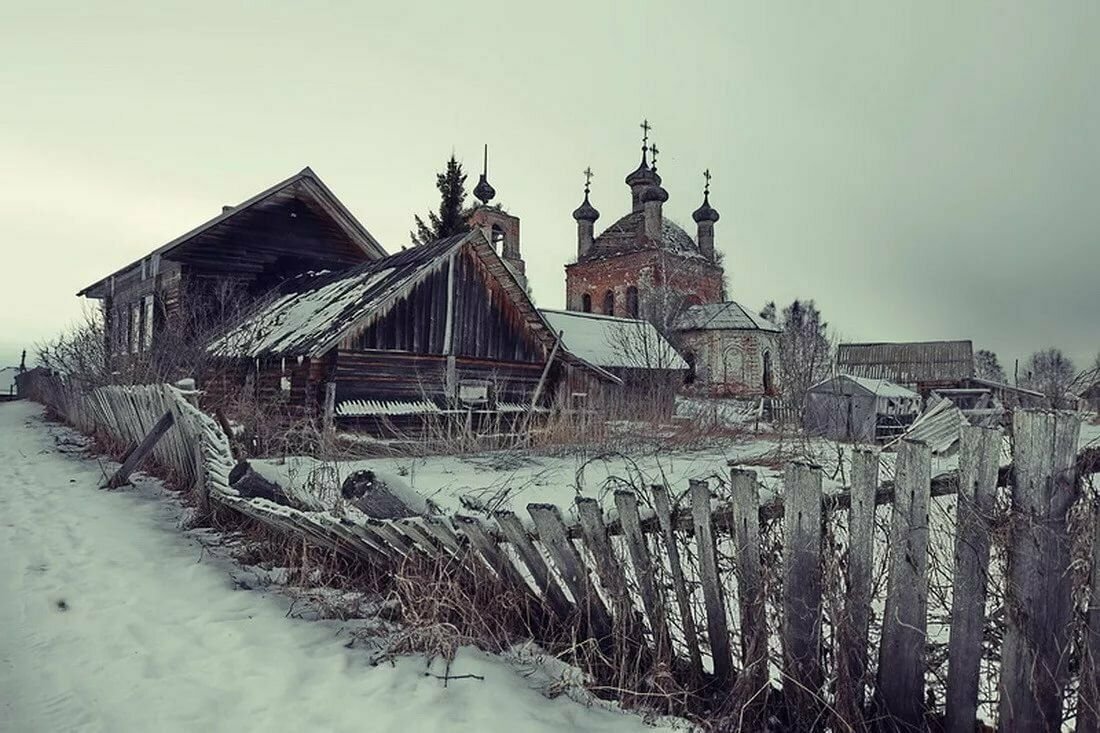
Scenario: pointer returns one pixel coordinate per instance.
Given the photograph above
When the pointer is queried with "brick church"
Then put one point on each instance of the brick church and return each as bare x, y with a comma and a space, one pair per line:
646, 266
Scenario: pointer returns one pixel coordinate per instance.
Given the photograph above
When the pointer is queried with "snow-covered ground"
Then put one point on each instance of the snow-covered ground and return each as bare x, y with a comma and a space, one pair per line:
114, 619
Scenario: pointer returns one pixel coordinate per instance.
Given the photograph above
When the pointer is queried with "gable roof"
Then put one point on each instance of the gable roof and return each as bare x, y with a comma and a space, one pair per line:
305, 183
871, 387
908, 362
723, 316
614, 343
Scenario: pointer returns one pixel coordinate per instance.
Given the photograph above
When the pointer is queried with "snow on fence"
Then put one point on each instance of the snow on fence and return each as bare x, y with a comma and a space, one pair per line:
634, 579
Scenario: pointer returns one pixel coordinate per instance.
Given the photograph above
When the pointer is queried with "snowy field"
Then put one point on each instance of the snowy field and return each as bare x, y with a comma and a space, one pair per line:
114, 619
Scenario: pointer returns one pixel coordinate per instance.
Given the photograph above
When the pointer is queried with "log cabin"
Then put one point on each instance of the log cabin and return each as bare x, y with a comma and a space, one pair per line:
429, 337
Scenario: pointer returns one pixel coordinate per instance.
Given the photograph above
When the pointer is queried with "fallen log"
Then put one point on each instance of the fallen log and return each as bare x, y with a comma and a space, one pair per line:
382, 499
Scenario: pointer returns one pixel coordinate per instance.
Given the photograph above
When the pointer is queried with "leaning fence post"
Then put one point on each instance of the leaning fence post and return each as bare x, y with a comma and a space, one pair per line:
901, 650
852, 656
1088, 691
802, 591
1034, 662
979, 456
652, 598
713, 600
663, 509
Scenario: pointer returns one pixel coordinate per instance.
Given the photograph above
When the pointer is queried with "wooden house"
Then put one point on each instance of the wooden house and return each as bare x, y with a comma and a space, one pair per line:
397, 345
189, 287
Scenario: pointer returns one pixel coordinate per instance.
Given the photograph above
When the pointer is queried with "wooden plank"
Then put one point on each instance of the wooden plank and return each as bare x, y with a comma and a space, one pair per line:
146, 445
801, 629
901, 665
979, 456
663, 510
494, 558
652, 599
753, 679
1088, 693
553, 535
513, 530
608, 568
853, 633
1034, 661
713, 597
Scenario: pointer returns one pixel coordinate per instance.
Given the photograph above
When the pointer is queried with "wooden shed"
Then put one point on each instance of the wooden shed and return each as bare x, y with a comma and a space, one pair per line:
859, 409
919, 365
426, 337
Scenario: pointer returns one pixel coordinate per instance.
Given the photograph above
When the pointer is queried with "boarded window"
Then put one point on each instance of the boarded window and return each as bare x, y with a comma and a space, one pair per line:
135, 328
609, 303
632, 301
586, 303
147, 323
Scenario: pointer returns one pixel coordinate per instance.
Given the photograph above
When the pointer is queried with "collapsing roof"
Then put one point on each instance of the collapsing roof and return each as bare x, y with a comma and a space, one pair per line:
872, 387
614, 343
727, 316
908, 363
310, 204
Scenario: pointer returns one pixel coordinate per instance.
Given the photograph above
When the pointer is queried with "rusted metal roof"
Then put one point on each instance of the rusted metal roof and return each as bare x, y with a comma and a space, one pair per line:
908, 363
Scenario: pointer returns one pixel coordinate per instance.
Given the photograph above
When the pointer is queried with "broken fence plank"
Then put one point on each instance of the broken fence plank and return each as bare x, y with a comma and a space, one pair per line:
626, 502
901, 663
553, 535
979, 455
1034, 661
518, 537
852, 667
663, 510
713, 597
801, 632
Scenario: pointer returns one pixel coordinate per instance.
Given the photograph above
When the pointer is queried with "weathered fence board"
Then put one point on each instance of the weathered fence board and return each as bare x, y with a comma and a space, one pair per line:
513, 529
852, 635
904, 623
1034, 663
626, 502
663, 510
979, 454
753, 679
713, 595
801, 634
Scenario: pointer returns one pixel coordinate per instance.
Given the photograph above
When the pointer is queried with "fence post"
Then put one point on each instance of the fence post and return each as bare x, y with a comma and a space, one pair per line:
801, 630
662, 508
852, 656
717, 628
979, 456
904, 623
652, 599
753, 679
1088, 692
1034, 662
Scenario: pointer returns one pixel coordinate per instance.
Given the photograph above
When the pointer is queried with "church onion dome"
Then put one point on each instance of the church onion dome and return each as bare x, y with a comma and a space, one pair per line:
655, 193
705, 212
643, 175
586, 211
483, 191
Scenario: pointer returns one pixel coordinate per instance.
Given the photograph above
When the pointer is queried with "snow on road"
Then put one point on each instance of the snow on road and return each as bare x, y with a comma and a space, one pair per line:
112, 619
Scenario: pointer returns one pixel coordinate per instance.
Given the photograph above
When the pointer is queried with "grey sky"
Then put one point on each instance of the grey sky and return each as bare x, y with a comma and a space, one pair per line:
926, 170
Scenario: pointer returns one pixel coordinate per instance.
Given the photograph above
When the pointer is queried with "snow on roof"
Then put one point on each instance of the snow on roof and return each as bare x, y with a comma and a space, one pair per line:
723, 316
877, 387
7, 380
606, 341
311, 312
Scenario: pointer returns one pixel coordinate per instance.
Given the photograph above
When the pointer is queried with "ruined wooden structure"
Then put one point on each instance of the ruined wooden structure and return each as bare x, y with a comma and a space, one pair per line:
675, 579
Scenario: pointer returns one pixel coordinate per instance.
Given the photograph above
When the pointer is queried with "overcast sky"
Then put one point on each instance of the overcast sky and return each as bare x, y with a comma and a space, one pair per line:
923, 171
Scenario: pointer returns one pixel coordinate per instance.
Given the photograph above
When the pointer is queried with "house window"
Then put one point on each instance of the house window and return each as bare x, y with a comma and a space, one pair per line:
586, 303
632, 301
135, 328
147, 323
609, 303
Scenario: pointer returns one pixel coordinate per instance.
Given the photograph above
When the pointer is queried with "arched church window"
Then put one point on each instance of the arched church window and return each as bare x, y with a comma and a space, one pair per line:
632, 301
586, 303
609, 303
769, 388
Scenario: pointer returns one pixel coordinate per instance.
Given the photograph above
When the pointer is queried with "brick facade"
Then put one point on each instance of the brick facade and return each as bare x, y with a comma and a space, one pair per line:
731, 362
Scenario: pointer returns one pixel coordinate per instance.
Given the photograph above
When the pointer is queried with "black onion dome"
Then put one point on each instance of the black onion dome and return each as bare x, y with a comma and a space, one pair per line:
655, 193
483, 191
705, 212
643, 174
586, 211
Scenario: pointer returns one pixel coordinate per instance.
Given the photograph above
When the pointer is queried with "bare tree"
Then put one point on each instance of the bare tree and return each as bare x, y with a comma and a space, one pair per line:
1051, 372
987, 366
805, 349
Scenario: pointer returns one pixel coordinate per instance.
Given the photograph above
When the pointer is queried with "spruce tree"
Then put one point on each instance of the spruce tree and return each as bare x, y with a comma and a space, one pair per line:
451, 218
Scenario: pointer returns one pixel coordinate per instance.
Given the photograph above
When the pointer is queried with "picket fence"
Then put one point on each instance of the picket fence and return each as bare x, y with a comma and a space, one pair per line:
628, 580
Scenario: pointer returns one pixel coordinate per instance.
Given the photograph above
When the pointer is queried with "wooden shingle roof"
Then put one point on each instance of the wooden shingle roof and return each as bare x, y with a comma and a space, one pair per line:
908, 362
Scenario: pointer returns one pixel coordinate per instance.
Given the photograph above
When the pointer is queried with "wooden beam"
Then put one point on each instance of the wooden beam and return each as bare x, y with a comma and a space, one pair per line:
134, 459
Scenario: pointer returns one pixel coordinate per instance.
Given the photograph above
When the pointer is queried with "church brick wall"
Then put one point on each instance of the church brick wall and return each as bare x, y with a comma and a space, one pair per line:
731, 362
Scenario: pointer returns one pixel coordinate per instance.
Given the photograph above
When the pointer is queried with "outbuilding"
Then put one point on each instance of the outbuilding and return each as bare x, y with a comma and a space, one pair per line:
859, 409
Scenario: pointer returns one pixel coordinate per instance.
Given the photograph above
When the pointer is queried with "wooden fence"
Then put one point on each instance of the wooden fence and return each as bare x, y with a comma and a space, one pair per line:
732, 593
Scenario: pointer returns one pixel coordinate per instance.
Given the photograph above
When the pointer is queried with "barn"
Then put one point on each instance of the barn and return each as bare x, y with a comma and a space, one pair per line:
921, 365
396, 347
859, 409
